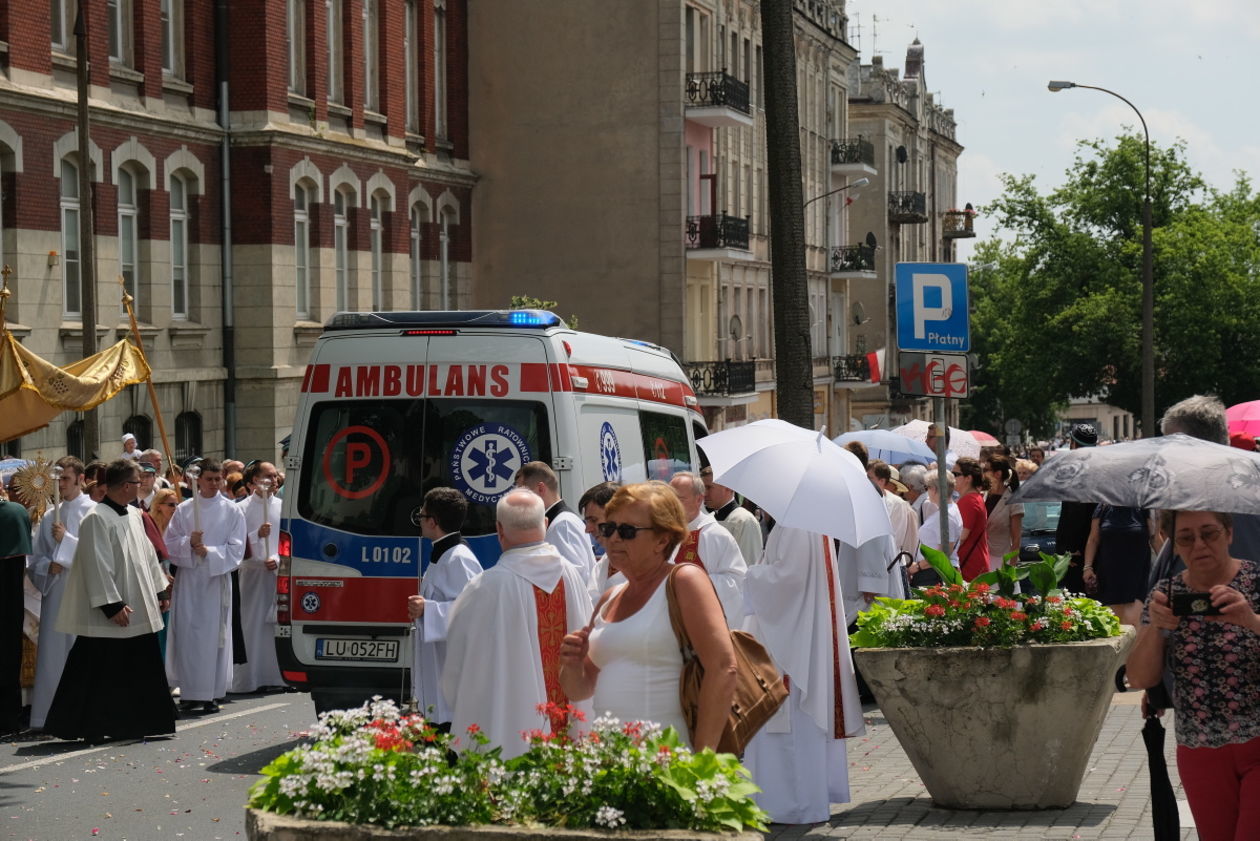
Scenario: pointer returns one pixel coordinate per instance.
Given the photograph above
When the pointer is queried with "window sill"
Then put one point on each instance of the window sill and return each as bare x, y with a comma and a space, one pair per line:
4, 47
63, 61
298, 100
374, 117
148, 332
414, 139
172, 84
338, 110
306, 332
187, 334
19, 331
122, 73
74, 330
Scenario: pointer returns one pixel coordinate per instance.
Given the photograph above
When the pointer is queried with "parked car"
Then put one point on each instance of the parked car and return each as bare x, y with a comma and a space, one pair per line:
1041, 519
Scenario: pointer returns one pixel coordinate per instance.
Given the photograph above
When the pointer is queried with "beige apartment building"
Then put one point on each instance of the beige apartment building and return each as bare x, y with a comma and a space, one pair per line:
623, 174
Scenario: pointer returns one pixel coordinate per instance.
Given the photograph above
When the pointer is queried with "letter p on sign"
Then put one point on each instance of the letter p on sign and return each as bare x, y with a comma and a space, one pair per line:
923, 313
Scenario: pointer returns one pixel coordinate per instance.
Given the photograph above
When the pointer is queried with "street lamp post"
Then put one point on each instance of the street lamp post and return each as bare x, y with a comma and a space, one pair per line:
1148, 272
861, 182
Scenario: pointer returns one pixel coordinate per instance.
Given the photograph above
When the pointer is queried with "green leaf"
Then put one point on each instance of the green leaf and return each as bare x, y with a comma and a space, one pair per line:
940, 562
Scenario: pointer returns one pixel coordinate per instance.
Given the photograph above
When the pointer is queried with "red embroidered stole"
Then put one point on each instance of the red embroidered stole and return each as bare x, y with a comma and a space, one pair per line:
689, 551
553, 621
835, 637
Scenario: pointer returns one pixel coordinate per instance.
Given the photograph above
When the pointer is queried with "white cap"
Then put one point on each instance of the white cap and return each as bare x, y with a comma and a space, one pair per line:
128, 437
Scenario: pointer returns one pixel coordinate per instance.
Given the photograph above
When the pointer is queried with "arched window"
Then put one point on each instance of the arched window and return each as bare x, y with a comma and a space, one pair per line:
72, 289
179, 247
378, 211
128, 235
419, 217
187, 436
141, 427
342, 201
74, 439
302, 249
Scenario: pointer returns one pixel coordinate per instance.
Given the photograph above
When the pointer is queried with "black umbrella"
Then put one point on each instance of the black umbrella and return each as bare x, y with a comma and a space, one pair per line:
1164, 817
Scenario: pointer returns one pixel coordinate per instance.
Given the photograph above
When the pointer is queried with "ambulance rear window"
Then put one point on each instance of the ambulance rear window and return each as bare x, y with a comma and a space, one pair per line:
368, 463
666, 445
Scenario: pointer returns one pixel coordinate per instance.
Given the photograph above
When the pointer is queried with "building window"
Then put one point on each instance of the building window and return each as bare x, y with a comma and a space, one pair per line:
172, 12
411, 65
418, 218
336, 74
72, 290
119, 12
444, 255
179, 247
302, 250
378, 210
11, 448
439, 69
62, 24
341, 249
187, 436
74, 439
128, 235
295, 32
371, 57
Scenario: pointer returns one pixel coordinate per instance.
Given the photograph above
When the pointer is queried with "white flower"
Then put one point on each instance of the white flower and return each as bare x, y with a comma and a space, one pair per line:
609, 817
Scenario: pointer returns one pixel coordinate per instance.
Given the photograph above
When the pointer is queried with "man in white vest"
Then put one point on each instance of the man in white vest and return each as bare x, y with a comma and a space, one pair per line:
257, 579
206, 541
53, 556
565, 529
452, 565
733, 517
711, 547
505, 630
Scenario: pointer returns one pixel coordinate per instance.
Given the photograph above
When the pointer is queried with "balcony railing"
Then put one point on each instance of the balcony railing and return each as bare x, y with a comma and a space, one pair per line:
852, 150
852, 258
717, 89
851, 369
717, 232
722, 379
958, 224
907, 206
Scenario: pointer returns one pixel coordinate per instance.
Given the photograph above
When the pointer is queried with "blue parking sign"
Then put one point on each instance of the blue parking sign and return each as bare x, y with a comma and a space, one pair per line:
932, 307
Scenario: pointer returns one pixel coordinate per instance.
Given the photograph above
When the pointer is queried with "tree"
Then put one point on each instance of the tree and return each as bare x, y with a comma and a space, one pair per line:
793, 366
1058, 307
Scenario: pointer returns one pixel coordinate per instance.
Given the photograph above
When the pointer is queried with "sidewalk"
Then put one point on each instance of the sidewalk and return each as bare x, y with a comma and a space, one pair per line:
889, 801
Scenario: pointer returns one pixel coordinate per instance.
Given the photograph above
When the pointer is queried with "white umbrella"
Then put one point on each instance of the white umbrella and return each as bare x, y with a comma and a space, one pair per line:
800, 477
962, 442
889, 446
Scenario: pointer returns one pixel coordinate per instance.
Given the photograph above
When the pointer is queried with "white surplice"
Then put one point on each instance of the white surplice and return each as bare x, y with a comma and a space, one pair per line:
905, 524
798, 759
446, 577
567, 532
864, 569
53, 645
723, 561
258, 598
199, 643
744, 527
493, 675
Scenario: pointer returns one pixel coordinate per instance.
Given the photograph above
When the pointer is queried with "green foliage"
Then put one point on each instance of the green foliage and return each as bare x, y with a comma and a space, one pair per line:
1058, 304
529, 302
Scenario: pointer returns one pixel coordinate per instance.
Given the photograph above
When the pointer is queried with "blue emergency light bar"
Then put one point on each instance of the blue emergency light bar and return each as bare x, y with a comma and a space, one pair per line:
431, 319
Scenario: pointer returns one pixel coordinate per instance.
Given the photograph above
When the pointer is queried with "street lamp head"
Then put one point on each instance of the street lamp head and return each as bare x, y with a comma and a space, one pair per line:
861, 182
1055, 87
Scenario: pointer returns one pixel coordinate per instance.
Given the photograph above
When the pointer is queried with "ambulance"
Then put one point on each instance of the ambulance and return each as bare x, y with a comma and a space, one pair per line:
393, 404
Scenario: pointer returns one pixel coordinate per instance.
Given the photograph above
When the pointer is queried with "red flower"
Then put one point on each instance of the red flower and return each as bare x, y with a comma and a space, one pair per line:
981, 587
1054, 599
474, 729
934, 610
1065, 625
1018, 615
982, 621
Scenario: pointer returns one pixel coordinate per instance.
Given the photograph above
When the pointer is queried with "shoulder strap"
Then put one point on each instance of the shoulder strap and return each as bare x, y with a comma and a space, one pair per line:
675, 616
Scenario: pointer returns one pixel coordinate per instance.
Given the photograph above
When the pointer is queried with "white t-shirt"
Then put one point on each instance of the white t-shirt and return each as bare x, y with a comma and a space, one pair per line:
930, 531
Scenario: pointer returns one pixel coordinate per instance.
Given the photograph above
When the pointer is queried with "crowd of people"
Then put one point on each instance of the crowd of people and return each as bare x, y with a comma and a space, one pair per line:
162, 582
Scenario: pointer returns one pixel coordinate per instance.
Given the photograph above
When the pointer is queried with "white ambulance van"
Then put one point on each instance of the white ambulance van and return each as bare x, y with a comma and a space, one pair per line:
393, 404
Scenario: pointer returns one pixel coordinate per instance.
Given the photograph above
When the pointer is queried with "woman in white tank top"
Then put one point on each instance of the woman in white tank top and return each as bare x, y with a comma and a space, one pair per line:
627, 659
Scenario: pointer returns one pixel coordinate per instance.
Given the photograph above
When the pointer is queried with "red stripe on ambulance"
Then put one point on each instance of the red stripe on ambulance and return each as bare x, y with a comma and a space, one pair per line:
354, 599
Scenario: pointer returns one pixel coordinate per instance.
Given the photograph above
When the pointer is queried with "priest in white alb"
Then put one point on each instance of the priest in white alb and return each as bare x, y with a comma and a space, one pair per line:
796, 609
710, 546
53, 555
257, 579
503, 639
206, 541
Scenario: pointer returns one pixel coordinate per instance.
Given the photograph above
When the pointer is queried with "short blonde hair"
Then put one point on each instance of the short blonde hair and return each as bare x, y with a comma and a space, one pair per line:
664, 509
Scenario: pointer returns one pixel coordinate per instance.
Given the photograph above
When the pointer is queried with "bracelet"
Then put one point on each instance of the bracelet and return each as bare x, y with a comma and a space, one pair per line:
1089, 566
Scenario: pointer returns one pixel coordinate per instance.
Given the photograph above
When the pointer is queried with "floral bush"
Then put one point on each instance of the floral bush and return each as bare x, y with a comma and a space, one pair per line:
379, 765
987, 611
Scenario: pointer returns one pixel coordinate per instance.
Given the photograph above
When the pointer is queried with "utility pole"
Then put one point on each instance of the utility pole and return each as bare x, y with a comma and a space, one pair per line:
87, 226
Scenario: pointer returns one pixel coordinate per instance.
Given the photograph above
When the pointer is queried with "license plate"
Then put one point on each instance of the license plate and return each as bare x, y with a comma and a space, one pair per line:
348, 649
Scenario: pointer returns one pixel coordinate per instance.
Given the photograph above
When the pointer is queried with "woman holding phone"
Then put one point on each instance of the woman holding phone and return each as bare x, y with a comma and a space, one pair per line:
1205, 618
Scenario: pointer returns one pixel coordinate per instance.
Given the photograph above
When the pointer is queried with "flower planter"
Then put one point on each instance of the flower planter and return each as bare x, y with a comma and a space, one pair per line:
266, 826
997, 728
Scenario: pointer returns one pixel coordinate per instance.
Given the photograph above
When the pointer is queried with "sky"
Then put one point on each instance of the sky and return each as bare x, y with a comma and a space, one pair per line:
1189, 66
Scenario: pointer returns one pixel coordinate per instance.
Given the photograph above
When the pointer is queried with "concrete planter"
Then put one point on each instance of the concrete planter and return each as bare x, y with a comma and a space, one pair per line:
997, 728
265, 826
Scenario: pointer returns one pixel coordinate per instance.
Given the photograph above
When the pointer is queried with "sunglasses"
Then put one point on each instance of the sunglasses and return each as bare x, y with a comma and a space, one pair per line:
623, 530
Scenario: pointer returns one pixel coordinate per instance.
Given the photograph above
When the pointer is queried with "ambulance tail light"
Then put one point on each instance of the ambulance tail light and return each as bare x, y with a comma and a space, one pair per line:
284, 579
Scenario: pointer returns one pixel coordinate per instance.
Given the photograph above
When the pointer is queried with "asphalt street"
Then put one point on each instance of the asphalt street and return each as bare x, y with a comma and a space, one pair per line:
190, 786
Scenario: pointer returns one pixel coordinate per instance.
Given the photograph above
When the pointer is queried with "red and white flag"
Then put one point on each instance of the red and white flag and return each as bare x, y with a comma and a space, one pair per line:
875, 361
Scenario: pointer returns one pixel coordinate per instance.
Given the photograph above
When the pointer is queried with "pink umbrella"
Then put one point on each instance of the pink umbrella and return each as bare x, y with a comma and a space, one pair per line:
1244, 418
984, 438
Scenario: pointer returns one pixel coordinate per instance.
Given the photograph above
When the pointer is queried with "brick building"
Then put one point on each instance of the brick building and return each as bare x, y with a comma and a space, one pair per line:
345, 185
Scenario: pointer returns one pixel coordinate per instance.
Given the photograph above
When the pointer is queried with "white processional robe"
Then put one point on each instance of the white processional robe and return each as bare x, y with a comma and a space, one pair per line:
493, 675
865, 569
258, 598
567, 532
199, 643
796, 609
723, 561
446, 577
744, 527
54, 646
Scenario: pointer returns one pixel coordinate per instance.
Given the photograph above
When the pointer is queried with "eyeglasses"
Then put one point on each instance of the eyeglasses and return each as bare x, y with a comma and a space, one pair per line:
623, 530
1208, 536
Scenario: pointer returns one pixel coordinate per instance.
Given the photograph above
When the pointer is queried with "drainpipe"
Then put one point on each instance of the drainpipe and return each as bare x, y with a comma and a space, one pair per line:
225, 227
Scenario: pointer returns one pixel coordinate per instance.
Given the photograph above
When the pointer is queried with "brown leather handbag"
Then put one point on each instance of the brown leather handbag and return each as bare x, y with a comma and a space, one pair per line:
759, 687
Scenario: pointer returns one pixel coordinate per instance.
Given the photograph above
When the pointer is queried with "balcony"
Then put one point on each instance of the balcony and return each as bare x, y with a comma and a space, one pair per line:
852, 156
722, 379
719, 237
907, 207
717, 99
856, 261
958, 224
854, 369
